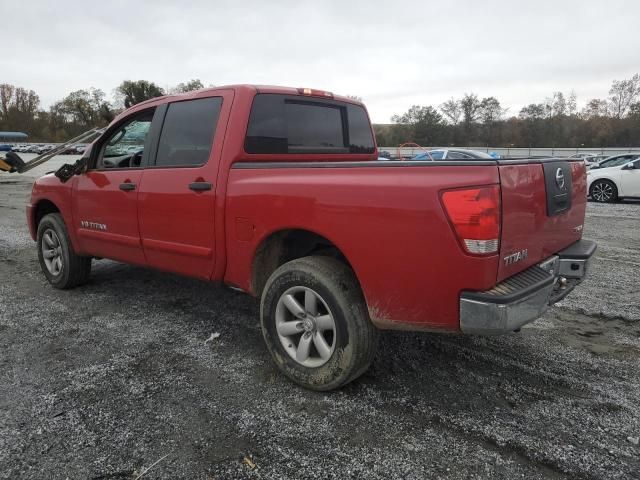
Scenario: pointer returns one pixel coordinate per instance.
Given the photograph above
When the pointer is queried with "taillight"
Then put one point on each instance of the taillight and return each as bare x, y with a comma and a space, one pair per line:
475, 216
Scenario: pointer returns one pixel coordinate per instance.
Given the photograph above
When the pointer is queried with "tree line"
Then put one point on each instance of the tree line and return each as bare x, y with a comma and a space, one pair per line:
556, 122
79, 111
466, 121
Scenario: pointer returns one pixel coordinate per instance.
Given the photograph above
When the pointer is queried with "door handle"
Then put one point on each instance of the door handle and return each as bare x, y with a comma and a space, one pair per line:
127, 186
200, 186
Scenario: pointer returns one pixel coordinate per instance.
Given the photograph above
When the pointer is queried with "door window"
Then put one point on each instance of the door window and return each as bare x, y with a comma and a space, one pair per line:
124, 147
458, 156
187, 132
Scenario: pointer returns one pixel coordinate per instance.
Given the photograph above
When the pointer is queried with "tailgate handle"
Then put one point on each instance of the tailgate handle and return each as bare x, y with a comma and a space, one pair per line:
127, 186
200, 186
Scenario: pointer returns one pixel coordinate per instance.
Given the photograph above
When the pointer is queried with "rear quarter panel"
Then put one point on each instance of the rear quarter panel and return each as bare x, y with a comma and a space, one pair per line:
388, 222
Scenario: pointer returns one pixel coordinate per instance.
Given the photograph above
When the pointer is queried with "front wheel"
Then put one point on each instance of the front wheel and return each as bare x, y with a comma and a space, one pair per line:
603, 191
315, 323
59, 262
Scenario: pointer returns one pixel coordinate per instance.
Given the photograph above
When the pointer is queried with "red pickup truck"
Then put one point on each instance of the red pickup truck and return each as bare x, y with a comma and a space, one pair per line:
278, 192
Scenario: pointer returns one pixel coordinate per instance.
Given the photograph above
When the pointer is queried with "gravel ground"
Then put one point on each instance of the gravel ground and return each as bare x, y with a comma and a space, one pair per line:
103, 381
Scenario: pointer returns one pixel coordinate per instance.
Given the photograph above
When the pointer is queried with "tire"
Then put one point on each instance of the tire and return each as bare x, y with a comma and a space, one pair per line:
351, 341
64, 269
603, 191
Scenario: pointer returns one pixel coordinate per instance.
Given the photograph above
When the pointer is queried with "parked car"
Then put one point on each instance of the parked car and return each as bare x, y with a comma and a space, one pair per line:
583, 155
5, 148
44, 148
615, 161
595, 160
606, 185
73, 149
453, 154
20, 148
33, 148
590, 159
278, 192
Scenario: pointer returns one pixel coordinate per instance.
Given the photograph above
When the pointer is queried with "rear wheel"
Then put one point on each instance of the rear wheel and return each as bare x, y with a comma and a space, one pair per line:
59, 262
603, 191
315, 323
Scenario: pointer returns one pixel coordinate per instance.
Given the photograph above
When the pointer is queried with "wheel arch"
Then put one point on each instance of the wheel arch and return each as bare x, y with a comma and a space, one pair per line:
282, 246
607, 178
43, 207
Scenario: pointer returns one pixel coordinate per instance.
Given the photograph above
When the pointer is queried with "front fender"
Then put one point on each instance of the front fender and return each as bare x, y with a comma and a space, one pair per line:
50, 194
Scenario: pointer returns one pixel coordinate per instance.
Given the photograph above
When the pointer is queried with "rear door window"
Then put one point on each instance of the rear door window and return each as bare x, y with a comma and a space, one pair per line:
291, 124
187, 132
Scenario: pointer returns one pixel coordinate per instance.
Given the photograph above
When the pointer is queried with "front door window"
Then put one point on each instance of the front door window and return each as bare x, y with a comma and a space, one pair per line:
124, 148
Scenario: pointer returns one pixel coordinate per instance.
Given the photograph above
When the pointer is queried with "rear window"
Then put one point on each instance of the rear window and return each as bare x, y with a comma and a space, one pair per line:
291, 124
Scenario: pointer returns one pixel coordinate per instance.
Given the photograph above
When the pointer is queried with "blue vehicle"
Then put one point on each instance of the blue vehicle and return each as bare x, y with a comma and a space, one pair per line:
5, 148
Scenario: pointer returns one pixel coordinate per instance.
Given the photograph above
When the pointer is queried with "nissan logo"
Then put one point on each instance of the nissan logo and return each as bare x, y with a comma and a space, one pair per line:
560, 178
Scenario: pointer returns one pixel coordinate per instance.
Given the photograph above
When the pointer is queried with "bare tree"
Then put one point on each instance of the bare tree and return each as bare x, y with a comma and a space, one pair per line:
533, 111
83, 107
6, 99
490, 110
596, 107
129, 92
622, 94
190, 86
470, 108
558, 104
572, 103
452, 110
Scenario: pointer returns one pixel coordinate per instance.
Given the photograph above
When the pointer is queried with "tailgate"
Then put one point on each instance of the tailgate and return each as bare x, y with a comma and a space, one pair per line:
543, 208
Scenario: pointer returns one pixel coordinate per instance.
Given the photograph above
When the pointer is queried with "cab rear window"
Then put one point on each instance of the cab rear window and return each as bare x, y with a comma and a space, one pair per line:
294, 124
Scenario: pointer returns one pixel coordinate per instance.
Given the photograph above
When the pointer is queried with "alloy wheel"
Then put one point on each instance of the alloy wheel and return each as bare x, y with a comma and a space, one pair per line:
602, 192
52, 252
306, 327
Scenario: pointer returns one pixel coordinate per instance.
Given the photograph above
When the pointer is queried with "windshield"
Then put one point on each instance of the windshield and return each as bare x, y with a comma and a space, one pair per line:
479, 154
435, 155
615, 162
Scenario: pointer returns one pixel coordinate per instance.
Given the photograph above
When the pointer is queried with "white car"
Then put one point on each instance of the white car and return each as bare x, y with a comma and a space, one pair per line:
606, 185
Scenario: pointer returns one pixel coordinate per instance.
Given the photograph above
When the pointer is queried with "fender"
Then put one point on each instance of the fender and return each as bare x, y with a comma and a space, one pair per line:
50, 189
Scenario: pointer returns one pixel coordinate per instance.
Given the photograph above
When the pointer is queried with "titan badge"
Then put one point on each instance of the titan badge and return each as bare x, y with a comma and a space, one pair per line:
93, 225
516, 257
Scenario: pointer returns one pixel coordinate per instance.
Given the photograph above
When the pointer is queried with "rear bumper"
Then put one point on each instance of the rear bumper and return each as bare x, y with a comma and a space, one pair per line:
524, 297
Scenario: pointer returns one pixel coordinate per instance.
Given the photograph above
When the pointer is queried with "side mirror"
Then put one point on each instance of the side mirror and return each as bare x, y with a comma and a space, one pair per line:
631, 166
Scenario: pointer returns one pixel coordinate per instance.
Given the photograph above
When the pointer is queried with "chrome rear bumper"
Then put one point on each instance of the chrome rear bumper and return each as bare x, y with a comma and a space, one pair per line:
524, 297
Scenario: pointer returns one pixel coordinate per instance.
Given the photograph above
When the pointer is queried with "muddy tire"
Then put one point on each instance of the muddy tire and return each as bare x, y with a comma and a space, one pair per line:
603, 191
59, 262
315, 323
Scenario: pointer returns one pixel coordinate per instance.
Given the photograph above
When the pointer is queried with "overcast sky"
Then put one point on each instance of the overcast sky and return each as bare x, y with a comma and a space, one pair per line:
391, 53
